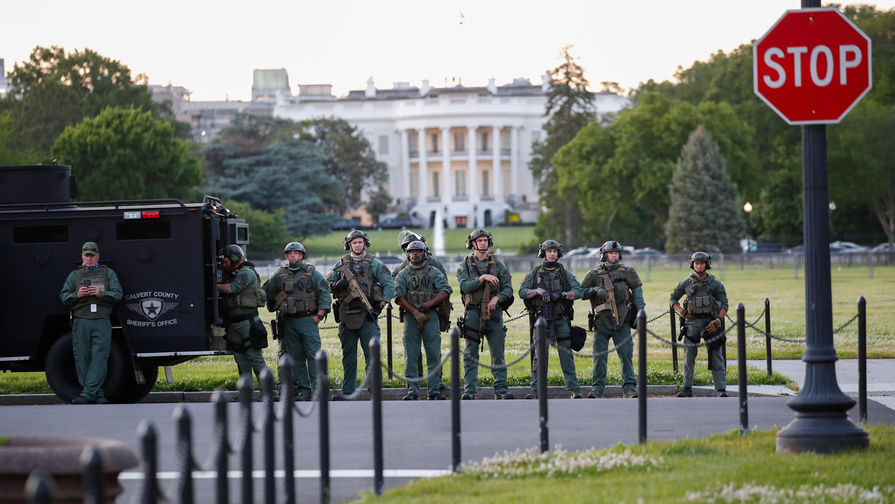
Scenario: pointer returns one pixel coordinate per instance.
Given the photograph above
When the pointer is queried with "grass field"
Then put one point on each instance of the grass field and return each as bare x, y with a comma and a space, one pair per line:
749, 286
720, 468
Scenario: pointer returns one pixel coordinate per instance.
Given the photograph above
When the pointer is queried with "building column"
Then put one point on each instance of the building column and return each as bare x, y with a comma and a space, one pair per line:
421, 194
473, 174
514, 163
446, 189
496, 165
405, 167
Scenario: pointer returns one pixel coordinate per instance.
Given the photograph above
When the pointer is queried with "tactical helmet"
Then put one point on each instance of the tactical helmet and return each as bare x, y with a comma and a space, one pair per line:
701, 256
354, 233
416, 245
610, 246
410, 237
295, 246
233, 252
478, 233
549, 244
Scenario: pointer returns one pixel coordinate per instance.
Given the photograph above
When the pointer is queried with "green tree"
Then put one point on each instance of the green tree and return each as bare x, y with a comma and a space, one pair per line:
703, 213
128, 154
10, 155
570, 107
267, 230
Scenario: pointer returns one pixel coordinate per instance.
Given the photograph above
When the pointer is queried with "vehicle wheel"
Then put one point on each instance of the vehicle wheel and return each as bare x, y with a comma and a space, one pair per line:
63, 379
134, 391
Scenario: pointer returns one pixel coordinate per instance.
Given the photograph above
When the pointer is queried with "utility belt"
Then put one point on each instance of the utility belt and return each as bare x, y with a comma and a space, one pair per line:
701, 316
308, 313
234, 319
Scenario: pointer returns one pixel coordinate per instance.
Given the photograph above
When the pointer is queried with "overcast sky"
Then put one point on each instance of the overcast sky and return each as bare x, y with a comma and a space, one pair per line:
211, 48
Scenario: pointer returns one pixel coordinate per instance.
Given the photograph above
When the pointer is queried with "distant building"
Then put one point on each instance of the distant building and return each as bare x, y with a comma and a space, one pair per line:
3, 85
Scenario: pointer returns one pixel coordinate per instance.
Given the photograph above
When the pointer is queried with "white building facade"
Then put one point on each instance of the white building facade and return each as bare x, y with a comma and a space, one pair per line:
459, 152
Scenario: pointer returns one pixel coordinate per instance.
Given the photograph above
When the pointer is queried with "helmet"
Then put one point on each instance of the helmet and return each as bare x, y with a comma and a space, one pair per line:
233, 252
354, 233
610, 246
410, 237
701, 256
416, 245
478, 233
549, 244
295, 246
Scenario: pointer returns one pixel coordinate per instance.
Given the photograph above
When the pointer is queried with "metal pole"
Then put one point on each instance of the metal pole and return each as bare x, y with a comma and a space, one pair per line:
862, 359
673, 316
455, 400
222, 487
641, 374
376, 384
741, 365
323, 404
287, 385
245, 451
148, 449
541, 334
185, 454
267, 432
821, 424
388, 335
92, 465
767, 334
39, 487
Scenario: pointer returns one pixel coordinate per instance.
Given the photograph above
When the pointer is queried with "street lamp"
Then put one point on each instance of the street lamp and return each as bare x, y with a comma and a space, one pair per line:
832, 207
748, 209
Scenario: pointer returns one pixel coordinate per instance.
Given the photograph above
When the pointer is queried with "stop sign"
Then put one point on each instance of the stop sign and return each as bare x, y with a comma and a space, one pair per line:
812, 66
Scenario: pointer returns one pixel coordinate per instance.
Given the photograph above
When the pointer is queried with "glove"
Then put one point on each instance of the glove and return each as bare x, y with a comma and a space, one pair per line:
421, 318
601, 293
556, 296
713, 326
545, 296
377, 308
342, 284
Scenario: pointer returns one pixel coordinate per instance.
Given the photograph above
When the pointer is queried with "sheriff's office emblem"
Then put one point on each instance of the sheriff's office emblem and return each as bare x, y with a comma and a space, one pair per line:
152, 307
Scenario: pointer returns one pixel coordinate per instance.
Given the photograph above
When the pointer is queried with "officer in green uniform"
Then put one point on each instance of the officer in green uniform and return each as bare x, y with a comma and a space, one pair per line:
549, 290
299, 295
356, 323
91, 291
704, 310
421, 288
613, 320
241, 296
485, 284
407, 237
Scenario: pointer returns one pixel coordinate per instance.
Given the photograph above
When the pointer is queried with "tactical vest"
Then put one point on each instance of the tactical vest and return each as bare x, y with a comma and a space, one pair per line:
623, 299
555, 280
88, 278
700, 299
297, 292
472, 268
363, 271
247, 300
421, 286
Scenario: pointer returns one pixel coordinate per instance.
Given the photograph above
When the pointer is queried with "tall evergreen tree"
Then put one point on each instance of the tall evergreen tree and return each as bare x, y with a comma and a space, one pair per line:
703, 212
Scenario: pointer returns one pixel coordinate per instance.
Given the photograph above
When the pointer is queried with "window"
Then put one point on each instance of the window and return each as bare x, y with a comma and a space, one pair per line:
485, 180
460, 183
40, 234
459, 141
484, 141
435, 143
435, 187
143, 230
383, 145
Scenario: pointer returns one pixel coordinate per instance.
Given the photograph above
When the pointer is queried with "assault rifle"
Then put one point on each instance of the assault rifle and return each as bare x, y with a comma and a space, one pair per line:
484, 311
355, 290
610, 299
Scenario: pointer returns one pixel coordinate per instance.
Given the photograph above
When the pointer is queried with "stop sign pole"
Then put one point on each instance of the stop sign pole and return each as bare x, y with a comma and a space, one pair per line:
821, 424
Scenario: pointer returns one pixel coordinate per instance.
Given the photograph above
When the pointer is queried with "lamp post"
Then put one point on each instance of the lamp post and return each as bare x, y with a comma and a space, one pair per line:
748, 209
832, 207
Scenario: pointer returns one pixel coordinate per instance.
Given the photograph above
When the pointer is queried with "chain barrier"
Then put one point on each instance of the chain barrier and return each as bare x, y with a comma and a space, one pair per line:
421, 379
779, 338
686, 343
760, 315
843, 326
657, 317
517, 317
600, 353
505, 365
360, 388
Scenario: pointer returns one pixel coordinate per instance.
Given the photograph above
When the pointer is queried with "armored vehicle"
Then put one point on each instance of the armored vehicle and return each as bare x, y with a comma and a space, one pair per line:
165, 253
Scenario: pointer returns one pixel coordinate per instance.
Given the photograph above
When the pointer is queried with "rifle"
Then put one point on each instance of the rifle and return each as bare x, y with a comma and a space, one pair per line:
484, 311
610, 295
355, 290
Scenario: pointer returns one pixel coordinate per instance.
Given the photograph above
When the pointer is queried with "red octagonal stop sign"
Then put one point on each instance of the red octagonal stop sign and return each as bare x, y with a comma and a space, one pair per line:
812, 66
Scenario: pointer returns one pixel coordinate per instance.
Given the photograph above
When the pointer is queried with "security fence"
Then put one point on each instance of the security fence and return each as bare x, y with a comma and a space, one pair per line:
279, 411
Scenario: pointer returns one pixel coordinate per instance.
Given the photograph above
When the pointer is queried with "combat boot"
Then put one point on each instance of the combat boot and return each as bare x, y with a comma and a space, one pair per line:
722, 393
686, 392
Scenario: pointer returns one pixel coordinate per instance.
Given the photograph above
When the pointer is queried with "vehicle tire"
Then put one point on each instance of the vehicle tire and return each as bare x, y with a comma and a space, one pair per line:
134, 391
63, 379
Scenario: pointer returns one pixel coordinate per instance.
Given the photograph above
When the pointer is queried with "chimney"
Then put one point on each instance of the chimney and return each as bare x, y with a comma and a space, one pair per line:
424, 89
371, 88
545, 82
492, 86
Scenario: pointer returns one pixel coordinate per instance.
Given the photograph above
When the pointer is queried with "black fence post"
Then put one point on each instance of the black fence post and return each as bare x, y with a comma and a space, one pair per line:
741, 364
388, 336
323, 404
862, 358
767, 334
267, 433
641, 374
149, 452
376, 384
245, 451
287, 386
222, 464
455, 399
39, 487
541, 335
185, 454
673, 316
92, 466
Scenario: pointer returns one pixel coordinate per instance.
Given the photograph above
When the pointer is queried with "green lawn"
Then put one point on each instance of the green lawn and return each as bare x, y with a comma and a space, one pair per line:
749, 286
720, 468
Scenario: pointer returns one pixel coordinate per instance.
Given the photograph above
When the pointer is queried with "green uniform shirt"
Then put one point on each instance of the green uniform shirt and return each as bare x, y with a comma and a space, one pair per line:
716, 288
529, 283
379, 272
404, 280
470, 283
244, 278
318, 285
105, 302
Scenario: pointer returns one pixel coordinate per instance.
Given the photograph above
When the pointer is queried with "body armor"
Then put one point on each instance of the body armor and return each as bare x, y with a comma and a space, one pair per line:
352, 312
422, 286
700, 300
248, 300
623, 299
552, 280
297, 293
475, 297
88, 278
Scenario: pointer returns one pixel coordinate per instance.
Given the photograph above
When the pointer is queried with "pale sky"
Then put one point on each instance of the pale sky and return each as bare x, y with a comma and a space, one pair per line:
211, 48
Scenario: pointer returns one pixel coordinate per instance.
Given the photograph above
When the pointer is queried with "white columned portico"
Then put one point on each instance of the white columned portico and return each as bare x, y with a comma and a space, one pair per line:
473, 174
495, 164
446, 170
405, 166
421, 143
514, 162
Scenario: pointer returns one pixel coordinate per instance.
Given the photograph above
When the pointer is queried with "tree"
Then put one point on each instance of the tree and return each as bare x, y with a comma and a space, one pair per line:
267, 230
128, 154
9, 155
288, 174
570, 107
703, 213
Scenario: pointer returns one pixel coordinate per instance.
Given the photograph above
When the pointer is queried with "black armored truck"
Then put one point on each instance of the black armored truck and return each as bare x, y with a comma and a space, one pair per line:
165, 253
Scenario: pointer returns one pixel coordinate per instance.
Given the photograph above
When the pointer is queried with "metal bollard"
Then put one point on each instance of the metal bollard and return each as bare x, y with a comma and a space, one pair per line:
388, 337
767, 334
541, 334
39, 487
287, 395
247, 489
185, 454
222, 488
641, 374
92, 465
323, 404
376, 387
267, 433
455, 400
148, 449
673, 316
862, 359
741, 364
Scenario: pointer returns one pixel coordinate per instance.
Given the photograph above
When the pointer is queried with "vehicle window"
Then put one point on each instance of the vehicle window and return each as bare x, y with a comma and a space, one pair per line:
143, 230
40, 234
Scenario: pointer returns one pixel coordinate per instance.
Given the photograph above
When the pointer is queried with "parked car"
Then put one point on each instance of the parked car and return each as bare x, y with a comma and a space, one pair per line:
346, 225
648, 252
390, 260
580, 251
882, 247
395, 223
845, 247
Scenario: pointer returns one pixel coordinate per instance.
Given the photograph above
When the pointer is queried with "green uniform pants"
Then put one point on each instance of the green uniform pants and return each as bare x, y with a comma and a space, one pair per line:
302, 338
91, 342
496, 335
563, 340
624, 347
716, 356
247, 360
430, 338
349, 339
